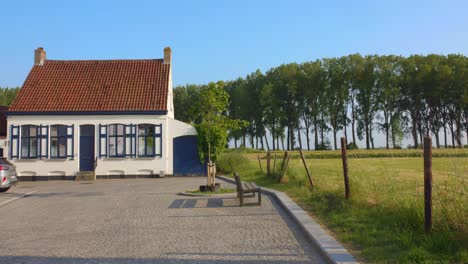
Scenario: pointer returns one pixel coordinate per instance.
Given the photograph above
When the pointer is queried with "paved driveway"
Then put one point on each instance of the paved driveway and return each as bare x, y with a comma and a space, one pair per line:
144, 221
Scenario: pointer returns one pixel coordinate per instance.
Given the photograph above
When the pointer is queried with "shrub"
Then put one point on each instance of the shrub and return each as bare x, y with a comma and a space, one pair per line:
352, 146
326, 145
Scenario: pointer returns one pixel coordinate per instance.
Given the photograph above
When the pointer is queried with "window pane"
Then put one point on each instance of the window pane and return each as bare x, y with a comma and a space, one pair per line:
112, 146
158, 146
141, 130
141, 146
24, 131
112, 130
24, 147
70, 148
53, 147
120, 130
53, 131
120, 146
32, 131
62, 131
150, 130
33, 147
103, 146
62, 143
150, 144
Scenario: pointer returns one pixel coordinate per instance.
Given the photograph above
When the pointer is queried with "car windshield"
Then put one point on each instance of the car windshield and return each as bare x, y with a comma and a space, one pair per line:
4, 161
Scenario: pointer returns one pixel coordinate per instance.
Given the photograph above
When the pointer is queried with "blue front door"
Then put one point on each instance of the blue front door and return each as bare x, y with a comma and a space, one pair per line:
87, 148
185, 157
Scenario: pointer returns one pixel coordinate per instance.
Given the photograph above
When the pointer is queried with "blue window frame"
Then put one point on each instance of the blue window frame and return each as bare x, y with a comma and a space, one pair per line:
29, 141
149, 140
14, 142
43, 141
116, 140
102, 141
58, 141
130, 140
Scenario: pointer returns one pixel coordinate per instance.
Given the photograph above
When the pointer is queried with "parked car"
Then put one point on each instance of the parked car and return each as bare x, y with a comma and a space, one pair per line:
7, 175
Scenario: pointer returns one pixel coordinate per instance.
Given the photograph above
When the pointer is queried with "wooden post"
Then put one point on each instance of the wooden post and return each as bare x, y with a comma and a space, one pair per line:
306, 168
345, 167
427, 184
274, 165
285, 157
284, 170
260, 163
268, 164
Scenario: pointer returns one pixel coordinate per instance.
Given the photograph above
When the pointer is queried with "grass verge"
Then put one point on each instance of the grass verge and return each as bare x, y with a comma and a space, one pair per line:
383, 222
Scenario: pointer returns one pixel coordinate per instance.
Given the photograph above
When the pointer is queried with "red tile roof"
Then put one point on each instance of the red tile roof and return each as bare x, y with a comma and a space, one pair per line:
95, 85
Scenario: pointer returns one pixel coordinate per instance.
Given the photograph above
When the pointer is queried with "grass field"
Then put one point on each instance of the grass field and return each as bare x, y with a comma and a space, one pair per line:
383, 221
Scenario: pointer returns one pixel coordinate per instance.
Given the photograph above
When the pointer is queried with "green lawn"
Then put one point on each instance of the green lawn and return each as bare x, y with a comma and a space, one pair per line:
384, 220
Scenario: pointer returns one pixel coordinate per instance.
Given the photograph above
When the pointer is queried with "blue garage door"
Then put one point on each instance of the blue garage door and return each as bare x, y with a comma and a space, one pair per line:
186, 160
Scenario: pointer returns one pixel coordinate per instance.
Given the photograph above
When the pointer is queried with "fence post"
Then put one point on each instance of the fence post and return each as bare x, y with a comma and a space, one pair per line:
344, 157
427, 184
306, 168
268, 163
260, 163
274, 166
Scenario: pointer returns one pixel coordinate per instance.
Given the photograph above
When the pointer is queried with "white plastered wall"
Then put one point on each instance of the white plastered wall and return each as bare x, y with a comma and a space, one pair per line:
106, 166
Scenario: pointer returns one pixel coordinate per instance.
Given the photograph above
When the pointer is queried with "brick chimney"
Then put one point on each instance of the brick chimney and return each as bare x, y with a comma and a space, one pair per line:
39, 56
167, 55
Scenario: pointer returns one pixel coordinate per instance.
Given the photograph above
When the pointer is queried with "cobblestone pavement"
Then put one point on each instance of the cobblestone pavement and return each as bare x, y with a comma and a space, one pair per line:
145, 221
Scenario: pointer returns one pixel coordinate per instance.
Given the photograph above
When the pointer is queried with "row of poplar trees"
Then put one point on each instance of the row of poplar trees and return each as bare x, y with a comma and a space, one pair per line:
402, 97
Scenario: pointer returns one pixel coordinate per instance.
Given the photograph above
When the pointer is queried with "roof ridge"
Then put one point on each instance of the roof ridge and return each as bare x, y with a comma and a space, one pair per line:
161, 59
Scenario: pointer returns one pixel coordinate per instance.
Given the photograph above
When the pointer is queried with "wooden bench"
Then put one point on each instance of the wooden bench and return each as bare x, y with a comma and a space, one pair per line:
247, 188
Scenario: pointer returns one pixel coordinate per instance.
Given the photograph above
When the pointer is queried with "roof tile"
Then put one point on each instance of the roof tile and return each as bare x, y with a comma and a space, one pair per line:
95, 85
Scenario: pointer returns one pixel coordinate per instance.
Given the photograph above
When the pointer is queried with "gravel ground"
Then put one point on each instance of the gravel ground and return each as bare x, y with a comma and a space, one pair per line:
145, 221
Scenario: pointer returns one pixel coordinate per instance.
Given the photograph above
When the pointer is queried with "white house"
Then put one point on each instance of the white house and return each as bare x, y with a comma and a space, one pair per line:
114, 117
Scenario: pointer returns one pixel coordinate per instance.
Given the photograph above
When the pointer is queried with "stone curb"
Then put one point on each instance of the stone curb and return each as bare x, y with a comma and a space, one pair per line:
331, 249
208, 195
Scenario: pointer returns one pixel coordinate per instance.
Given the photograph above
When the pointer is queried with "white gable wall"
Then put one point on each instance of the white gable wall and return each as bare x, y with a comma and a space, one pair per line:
105, 166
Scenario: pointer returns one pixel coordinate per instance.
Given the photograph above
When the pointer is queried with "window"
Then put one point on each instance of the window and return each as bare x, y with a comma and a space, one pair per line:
29, 141
149, 140
14, 142
58, 141
116, 140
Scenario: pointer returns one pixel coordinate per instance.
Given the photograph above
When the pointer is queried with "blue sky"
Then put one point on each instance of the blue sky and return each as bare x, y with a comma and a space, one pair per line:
222, 40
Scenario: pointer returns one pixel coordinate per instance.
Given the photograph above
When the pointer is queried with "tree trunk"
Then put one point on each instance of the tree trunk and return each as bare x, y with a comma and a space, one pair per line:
316, 133
445, 135
334, 138
261, 142
437, 139
235, 143
266, 142
387, 136
243, 140
415, 134
458, 133
307, 127
288, 139
367, 137
353, 121
299, 138
453, 135
282, 142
